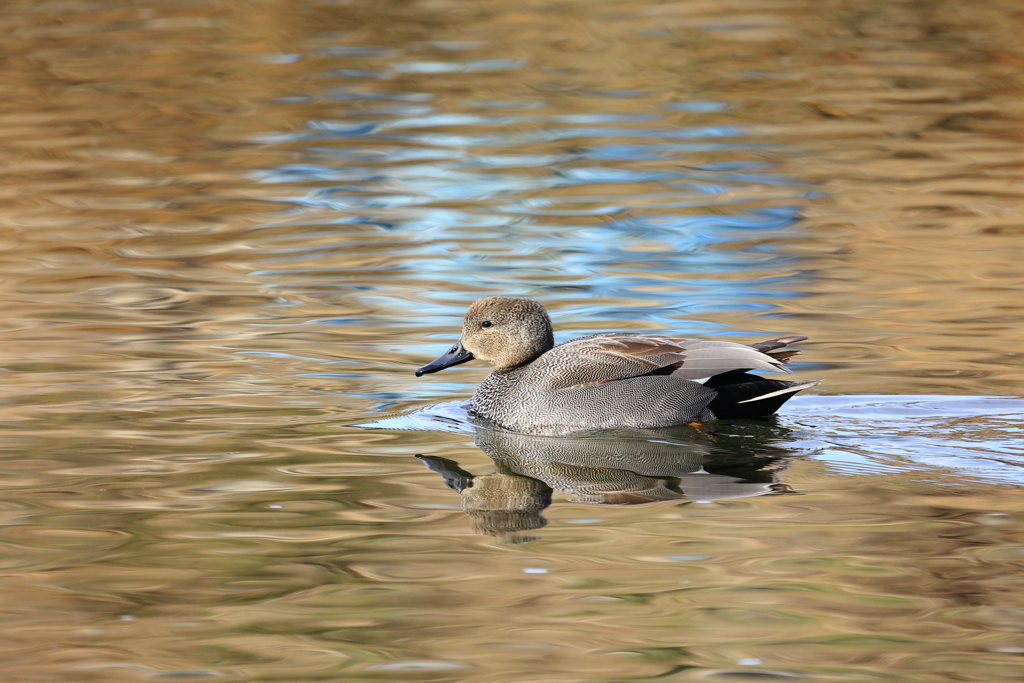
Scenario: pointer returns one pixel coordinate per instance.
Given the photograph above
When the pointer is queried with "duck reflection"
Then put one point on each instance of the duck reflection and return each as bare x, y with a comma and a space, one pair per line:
620, 468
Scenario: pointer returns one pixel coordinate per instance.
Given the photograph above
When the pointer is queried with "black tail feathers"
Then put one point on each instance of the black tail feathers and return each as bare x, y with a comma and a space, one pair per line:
737, 391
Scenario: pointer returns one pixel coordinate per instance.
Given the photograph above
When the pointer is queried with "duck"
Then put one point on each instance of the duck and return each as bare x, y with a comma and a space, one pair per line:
612, 379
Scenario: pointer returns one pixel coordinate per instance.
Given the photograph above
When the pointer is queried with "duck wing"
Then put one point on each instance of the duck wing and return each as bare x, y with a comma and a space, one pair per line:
614, 356
710, 358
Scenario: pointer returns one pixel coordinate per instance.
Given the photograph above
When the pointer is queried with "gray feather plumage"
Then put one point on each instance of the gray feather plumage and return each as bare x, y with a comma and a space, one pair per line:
604, 381
709, 358
616, 379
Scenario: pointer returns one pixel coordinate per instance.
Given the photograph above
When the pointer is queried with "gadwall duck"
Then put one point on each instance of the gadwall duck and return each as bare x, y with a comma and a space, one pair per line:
616, 379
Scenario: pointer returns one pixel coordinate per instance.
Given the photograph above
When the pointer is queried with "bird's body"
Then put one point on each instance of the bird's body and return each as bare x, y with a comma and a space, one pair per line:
618, 379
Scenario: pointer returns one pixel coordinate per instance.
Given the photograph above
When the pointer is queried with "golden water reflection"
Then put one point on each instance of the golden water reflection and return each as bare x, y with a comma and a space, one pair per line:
230, 231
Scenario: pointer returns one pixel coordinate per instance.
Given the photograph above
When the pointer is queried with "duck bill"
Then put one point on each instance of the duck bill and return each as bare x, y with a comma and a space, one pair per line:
456, 355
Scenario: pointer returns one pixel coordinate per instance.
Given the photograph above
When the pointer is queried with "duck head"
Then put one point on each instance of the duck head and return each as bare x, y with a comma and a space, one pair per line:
507, 332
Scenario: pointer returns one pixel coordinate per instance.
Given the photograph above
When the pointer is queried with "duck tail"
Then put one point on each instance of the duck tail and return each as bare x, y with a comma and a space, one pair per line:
743, 395
772, 346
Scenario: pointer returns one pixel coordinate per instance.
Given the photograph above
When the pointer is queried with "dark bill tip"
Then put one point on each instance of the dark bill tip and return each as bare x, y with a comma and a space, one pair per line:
456, 355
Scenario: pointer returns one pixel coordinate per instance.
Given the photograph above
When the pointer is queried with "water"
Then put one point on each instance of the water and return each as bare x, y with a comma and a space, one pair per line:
231, 231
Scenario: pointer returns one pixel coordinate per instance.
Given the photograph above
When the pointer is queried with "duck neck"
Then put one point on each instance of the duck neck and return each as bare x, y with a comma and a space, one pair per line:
529, 351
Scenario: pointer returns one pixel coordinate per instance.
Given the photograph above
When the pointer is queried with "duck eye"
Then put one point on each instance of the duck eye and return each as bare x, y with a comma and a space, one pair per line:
486, 323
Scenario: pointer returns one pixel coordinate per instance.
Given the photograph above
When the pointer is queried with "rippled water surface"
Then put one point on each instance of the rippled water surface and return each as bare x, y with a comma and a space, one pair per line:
231, 230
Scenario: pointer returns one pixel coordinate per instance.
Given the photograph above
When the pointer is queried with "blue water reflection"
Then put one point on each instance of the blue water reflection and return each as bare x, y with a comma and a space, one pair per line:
853, 435
634, 211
